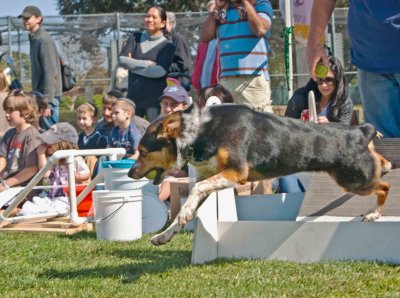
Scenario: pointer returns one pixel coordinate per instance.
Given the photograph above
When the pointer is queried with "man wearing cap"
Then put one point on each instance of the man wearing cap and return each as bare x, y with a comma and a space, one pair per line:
45, 64
174, 98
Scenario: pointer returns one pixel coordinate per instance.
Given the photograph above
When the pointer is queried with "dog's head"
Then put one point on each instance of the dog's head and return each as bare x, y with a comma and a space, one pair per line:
158, 149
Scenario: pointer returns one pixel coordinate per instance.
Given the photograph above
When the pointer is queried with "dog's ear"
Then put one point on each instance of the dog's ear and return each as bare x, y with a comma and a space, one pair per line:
171, 126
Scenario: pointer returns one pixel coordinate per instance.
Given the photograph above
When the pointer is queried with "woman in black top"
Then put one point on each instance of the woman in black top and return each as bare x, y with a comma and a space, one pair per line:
331, 99
148, 56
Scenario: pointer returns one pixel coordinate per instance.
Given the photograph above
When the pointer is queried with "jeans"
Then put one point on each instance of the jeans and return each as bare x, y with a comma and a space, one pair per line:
290, 184
54, 106
380, 96
151, 113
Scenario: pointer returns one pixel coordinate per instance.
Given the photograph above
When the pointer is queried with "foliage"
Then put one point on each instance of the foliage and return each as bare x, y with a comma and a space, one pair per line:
70, 103
98, 102
49, 265
103, 6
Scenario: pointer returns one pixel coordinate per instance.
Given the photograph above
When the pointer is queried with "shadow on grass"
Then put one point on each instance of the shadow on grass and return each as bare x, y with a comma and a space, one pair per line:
145, 261
142, 260
81, 236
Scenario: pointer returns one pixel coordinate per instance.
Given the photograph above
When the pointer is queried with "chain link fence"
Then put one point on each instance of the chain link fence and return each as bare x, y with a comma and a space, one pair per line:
90, 44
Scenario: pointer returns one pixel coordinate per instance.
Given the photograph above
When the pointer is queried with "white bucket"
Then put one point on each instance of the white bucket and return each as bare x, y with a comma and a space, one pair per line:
117, 179
118, 214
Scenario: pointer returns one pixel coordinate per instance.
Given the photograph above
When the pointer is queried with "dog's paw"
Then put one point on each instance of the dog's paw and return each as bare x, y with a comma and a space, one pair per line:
386, 167
160, 239
185, 215
371, 216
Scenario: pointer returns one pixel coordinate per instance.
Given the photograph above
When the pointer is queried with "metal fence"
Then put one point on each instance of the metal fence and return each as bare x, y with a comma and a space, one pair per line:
90, 44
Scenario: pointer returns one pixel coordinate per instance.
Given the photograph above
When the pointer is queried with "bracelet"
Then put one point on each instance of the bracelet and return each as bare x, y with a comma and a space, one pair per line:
4, 183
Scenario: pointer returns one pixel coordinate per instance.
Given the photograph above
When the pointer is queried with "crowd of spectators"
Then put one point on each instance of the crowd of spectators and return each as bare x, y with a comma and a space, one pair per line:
231, 67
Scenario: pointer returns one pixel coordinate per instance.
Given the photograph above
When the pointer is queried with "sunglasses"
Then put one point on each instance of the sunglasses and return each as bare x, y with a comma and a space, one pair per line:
328, 81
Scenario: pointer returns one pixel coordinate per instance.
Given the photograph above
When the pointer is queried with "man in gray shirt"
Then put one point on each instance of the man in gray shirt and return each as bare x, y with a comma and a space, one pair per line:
45, 64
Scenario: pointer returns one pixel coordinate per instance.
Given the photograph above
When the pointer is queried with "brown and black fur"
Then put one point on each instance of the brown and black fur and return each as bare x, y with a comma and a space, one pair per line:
230, 144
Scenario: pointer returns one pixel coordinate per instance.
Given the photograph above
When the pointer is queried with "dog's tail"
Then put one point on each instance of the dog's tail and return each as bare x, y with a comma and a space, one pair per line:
368, 130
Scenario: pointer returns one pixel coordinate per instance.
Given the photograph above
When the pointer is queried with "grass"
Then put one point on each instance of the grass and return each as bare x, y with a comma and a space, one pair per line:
42, 265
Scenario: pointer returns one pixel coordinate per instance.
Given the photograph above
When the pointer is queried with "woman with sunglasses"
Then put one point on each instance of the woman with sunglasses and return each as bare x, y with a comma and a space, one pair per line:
332, 104
331, 99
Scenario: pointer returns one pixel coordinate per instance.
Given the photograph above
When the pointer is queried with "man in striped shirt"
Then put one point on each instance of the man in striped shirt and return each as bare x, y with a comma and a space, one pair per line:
243, 47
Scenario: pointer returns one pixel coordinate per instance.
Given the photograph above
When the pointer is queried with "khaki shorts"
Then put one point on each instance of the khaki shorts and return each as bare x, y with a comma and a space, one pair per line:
253, 91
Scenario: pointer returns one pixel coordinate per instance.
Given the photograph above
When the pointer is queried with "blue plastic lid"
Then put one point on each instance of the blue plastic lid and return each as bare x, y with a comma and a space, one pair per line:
119, 164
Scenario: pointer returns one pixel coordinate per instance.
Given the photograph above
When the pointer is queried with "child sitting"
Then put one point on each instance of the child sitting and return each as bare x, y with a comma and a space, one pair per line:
90, 138
18, 158
61, 136
86, 120
125, 134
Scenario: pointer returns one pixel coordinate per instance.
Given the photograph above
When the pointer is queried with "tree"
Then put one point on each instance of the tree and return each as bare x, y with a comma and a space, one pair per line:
103, 6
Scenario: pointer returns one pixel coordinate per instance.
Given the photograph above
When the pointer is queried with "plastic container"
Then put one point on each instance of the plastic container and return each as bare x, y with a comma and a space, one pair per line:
116, 175
118, 214
154, 212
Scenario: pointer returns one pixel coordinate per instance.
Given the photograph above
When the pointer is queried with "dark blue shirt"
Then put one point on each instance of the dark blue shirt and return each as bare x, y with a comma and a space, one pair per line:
93, 141
125, 138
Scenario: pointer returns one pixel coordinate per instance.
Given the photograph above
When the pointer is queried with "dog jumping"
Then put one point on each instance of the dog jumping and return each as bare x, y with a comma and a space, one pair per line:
232, 144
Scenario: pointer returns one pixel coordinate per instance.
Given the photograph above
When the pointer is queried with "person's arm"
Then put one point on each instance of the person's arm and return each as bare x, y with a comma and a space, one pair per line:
208, 30
153, 72
297, 103
135, 155
42, 159
259, 26
20, 177
163, 63
3, 163
134, 64
346, 112
82, 171
320, 14
82, 176
51, 69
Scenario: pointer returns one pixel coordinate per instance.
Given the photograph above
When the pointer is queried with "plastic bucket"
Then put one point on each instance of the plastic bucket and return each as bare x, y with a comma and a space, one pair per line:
116, 175
118, 214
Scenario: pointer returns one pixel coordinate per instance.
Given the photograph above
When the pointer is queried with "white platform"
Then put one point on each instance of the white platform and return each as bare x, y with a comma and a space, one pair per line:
229, 227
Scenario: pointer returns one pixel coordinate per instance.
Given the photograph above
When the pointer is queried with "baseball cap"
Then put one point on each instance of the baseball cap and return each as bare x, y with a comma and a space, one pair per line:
30, 11
177, 93
60, 132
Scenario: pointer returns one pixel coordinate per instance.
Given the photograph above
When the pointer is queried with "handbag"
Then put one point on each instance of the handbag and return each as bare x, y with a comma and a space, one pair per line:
68, 78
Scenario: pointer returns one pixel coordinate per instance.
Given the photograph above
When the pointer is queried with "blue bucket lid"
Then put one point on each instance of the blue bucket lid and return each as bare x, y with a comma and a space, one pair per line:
119, 164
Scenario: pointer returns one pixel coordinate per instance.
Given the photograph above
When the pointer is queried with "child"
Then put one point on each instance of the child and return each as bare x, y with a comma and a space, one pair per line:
125, 134
105, 125
89, 138
4, 90
211, 95
18, 158
40, 105
61, 136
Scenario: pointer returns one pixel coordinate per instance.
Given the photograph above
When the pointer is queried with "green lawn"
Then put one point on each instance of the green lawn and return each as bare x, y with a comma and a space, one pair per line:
43, 265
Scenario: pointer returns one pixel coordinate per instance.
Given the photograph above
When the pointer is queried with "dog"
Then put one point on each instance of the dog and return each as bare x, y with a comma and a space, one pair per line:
231, 144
